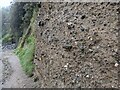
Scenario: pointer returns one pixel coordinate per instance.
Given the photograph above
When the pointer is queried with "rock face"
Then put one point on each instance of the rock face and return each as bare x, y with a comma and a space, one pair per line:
77, 45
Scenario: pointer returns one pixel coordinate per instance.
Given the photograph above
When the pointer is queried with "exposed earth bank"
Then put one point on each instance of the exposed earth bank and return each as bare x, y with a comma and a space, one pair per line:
77, 45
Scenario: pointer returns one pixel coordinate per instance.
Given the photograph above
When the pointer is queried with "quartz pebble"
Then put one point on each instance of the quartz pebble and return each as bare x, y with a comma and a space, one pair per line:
87, 76
66, 66
116, 64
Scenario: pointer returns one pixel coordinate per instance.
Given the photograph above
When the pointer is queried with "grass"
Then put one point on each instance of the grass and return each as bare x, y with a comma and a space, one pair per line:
26, 55
26, 52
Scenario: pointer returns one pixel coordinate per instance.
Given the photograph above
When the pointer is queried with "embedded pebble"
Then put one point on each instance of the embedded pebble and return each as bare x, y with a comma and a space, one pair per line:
116, 64
87, 76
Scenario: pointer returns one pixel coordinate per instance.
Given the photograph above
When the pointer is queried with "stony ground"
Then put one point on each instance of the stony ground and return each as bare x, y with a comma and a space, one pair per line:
11, 73
77, 45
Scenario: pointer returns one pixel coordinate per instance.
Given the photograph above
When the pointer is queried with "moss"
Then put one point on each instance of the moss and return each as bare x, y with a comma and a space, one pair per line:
26, 55
26, 48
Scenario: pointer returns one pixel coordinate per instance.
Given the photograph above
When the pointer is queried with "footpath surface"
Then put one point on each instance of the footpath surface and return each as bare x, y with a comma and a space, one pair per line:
11, 73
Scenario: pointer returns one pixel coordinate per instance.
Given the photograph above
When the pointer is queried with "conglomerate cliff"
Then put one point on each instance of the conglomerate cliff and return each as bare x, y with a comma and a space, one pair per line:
77, 45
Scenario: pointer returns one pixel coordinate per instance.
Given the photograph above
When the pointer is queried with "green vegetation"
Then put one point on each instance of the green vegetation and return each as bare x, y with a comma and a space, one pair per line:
21, 14
26, 48
18, 28
26, 55
7, 38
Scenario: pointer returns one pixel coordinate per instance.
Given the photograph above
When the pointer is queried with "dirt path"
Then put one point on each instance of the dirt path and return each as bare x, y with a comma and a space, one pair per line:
13, 75
1, 65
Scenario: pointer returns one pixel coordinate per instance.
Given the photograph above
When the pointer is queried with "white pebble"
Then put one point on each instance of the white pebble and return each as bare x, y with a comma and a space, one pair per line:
90, 50
72, 38
116, 64
91, 39
112, 86
75, 43
69, 23
66, 65
87, 76
97, 47
115, 50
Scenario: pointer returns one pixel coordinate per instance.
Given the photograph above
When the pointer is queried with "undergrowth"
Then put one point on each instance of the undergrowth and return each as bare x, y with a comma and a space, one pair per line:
26, 52
26, 55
